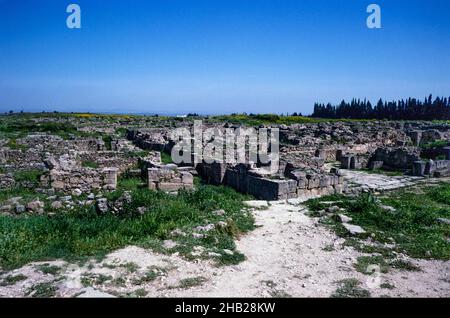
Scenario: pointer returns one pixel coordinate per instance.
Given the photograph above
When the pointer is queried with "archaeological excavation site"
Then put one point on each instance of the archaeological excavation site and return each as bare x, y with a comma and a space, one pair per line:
95, 206
229, 156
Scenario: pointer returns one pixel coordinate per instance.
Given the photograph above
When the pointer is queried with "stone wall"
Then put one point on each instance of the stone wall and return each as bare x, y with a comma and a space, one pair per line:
105, 159
6, 181
169, 178
65, 175
149, 139
396, 158
431, 168
248, 179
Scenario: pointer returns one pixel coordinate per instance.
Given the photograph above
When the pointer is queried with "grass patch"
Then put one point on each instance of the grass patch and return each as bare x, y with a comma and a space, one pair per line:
107, 140
350, 288
141, 292
90, 164
435, 144
82, 232
387, 286
130, 267
19, 191
166, 158
266, 119
94, 279
12, 280
405, 265
42, 290
413, 226
328, 248
364, 262
49, 269
12, 143
32, 176
191, 282
152, 273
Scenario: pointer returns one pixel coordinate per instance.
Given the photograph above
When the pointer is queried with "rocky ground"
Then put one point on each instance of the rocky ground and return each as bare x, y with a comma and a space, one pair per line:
289, 255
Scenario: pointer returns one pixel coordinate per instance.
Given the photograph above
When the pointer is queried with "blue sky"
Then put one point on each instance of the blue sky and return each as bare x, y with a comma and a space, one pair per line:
218, 56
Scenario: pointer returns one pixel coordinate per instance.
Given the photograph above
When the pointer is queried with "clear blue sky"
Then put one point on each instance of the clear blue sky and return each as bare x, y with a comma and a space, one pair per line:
219, 56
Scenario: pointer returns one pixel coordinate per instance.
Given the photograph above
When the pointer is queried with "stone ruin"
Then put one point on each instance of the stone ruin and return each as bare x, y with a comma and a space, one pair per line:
64, 174
307, 154
407, 153
249, 179
307, 178
165, 177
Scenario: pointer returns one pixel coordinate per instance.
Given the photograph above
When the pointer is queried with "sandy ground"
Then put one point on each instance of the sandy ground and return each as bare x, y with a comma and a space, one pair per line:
285, 257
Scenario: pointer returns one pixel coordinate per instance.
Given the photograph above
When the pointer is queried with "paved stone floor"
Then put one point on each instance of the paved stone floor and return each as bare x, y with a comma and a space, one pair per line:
378, 182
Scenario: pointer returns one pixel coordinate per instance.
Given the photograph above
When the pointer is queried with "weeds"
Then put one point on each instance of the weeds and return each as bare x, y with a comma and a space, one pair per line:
12, 280
49, 269
42, 290
349, 288
191, 282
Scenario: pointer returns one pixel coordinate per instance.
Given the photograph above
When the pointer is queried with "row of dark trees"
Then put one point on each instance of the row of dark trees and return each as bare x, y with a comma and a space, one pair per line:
409, 109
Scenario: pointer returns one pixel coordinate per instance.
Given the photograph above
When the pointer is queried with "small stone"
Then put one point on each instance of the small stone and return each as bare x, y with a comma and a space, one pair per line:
56, 205
169, 244
141, 210
256, 204
20, 208
229, 252
177, 232
205, 228
65, 198
219, 212
76, 192
198, 235
332, 209
5, 208
343, 218
102, 205
214, 254
354, 229
443, 220
35, 206
387, 208
222, 224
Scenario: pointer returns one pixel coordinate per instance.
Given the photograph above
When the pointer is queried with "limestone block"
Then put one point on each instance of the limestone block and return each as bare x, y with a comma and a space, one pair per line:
187, 178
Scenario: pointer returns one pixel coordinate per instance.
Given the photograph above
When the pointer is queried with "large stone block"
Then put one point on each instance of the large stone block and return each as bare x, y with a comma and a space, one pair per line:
111, 177
170, 186
375, 165
345, 161
266, 189
313, 181
187, 178
447, 153
324, 182
419, 168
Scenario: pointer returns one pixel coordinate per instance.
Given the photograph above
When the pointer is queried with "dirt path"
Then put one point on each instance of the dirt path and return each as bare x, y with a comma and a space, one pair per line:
285, 257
